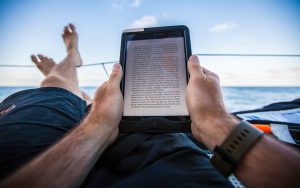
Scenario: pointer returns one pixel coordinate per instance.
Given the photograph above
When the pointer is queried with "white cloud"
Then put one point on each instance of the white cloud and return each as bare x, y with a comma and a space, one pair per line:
121, 4
223, 27
145, 21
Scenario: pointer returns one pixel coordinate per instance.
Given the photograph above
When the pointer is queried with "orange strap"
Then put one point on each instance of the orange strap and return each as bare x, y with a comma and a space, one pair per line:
263, 127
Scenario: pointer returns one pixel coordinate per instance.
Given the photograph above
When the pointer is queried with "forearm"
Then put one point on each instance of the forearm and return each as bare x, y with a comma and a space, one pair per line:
67, 163
268, 163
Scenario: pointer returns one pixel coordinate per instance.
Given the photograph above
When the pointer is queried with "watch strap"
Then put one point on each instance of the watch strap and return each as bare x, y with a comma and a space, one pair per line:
227, 156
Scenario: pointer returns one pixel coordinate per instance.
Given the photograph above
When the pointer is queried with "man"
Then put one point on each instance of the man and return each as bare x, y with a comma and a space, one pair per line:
37, 152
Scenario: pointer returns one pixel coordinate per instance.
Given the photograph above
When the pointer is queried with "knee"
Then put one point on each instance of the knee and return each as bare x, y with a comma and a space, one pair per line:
60, 82
53, 81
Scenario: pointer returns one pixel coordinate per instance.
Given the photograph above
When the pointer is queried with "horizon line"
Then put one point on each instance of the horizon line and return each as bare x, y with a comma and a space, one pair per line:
269, 86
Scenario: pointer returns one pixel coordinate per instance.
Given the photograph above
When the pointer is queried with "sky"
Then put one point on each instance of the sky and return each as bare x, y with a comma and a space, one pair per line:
216, 26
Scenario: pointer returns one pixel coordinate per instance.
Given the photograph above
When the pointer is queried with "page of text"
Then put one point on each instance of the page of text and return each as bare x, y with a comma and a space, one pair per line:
155, 78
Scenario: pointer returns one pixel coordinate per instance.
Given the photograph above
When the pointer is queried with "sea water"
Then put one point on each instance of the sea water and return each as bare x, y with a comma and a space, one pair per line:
235, 98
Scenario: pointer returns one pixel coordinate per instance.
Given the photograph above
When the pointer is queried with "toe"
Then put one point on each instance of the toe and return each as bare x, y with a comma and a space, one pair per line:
49, 61
34, 59
72, 27
46, 59
42, 58
66, 30
52, 61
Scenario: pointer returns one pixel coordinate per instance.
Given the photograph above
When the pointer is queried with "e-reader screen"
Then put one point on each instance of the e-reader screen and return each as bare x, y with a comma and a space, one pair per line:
155, 75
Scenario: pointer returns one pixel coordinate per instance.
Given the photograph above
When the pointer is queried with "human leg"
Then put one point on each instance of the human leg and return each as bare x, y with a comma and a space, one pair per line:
63, 74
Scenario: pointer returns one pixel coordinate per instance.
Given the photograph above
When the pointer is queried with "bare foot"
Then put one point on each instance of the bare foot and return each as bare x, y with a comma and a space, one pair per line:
43, 63
70, 37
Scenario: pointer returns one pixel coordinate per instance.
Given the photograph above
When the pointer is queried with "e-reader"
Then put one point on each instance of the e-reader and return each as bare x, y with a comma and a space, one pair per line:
155, 77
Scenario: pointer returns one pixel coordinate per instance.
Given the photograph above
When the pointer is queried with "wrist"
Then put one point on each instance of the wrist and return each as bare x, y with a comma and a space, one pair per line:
216, 130
100, 128
228, 155
101, 120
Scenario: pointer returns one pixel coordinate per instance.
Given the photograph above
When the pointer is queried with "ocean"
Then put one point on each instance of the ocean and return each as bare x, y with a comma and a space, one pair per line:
235, 98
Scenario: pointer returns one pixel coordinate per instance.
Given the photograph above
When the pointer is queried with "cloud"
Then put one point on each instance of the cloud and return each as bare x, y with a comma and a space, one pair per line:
121, 4
145, 21
223, 27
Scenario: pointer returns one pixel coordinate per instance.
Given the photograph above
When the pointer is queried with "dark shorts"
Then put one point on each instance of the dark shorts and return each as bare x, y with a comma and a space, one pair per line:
33, 120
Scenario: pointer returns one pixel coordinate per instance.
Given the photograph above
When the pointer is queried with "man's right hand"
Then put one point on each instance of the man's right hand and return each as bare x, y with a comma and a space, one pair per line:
108, 104
211, 123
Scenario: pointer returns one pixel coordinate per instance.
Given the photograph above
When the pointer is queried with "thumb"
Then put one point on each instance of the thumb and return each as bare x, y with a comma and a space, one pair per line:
116, 75
194, 66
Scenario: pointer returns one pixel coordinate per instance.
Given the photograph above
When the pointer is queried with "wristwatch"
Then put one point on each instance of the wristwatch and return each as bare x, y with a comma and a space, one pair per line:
227, 156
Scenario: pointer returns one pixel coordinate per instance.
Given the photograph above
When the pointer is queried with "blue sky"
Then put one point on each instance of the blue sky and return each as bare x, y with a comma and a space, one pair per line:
216, 26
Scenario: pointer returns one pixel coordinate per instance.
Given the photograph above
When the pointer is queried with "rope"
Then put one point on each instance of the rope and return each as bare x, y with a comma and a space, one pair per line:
86, 65
215, 55
252, 55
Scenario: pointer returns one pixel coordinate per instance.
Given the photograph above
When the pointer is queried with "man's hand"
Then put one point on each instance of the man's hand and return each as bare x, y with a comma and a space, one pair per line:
211, 123
75, 155
108, 103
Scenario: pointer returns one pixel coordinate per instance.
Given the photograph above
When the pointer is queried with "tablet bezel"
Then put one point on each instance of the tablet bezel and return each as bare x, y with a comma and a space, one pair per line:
151, 123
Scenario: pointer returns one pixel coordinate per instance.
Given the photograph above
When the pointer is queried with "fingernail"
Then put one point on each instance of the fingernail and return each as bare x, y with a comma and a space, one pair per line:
116, 66
194, 59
